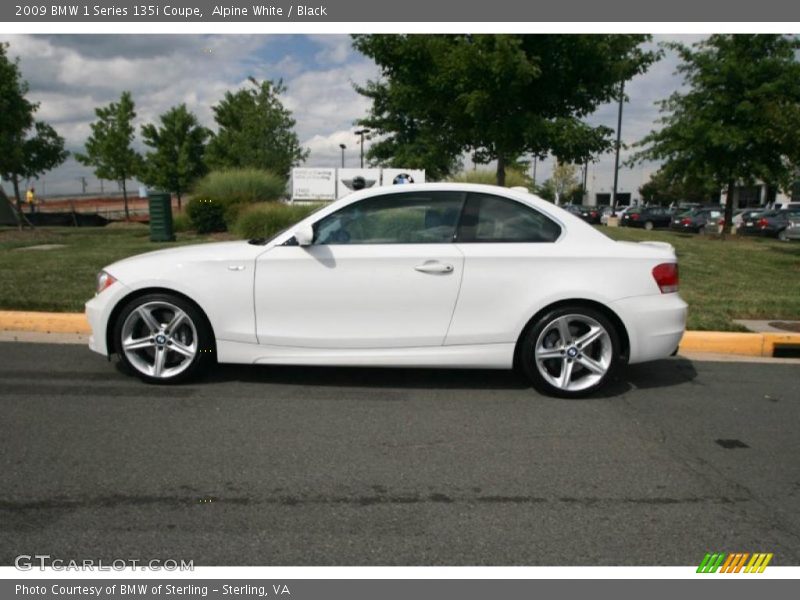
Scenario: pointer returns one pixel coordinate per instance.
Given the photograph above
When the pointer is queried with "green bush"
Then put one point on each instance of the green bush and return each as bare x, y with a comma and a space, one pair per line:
235, 186
267, 219
181, 222
206, 216
514, 177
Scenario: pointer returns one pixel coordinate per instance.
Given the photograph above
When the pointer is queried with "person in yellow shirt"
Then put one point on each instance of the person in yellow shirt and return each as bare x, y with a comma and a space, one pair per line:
30, 199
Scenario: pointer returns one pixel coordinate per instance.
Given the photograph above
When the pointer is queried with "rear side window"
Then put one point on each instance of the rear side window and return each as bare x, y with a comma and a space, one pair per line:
493, 219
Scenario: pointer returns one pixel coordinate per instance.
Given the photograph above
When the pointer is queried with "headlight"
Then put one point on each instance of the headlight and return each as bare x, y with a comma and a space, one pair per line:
104, 280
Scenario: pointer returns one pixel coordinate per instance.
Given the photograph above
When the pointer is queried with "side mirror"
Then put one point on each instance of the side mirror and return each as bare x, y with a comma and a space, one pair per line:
304, 235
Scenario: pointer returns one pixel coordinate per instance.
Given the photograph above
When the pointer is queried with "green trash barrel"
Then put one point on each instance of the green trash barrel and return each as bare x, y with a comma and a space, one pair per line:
161, 217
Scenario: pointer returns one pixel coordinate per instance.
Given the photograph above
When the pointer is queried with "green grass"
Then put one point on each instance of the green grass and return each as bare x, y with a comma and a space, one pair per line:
746, 278
62, 279
738, 278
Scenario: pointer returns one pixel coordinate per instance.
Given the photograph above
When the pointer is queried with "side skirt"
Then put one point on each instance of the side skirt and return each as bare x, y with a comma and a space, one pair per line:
478, 356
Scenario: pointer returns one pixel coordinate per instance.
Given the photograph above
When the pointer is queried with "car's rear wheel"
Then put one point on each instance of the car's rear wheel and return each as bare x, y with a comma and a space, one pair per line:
163, 338
782, 236
648, 225
570, 352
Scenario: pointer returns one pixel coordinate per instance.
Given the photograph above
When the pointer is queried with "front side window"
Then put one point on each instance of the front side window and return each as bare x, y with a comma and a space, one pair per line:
488, 218
406, 218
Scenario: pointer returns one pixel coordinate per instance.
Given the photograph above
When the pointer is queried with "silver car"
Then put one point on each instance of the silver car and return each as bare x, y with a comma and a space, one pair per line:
792, 231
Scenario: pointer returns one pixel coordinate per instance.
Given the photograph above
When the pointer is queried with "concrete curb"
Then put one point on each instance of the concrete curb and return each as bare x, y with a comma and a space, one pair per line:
718, 342
43, 322
745, 344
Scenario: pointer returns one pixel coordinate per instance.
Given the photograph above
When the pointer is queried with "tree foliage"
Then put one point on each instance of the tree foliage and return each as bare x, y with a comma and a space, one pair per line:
109, 148
739, 120
666, 186
29, 147
255, 130
497, 97
178, 145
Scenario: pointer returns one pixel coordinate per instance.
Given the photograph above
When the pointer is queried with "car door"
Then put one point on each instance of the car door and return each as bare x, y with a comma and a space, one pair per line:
509, 254
382, 272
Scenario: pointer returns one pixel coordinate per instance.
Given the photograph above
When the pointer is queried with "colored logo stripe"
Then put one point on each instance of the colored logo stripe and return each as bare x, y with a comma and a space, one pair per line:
734, 562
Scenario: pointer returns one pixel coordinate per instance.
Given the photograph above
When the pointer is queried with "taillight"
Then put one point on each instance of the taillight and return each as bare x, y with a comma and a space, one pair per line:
666, 276
763, 223
635, 216
686, 221
721, 221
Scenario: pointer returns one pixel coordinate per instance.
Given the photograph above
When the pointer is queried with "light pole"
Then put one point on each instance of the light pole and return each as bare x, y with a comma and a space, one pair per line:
362, 133
619, 137
583, 183
342, 146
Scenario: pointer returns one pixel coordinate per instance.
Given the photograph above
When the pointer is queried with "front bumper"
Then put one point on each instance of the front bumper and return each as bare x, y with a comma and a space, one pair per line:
98, 312
655, 325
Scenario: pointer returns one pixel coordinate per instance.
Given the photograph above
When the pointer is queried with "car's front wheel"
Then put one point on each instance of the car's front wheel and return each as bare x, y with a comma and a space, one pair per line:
570, 351
163, 338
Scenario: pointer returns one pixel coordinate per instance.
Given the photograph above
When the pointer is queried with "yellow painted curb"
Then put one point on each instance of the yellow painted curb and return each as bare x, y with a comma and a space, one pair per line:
43, 322
726, 342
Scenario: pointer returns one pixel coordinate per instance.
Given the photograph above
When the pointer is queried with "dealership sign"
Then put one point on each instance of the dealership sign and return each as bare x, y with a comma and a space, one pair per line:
330, 184
313, 184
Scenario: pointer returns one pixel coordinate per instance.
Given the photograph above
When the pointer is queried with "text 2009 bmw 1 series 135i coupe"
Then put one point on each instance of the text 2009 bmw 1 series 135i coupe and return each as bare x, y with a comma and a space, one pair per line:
430, 275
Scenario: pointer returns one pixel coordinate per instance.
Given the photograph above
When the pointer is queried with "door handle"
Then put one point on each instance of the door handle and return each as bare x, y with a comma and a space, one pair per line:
433, 266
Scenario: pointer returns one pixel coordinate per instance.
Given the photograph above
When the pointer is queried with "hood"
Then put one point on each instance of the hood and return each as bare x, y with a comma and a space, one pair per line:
217, 251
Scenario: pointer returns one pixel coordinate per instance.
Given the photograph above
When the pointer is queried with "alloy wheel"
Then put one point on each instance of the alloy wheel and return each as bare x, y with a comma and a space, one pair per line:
573, 352
159, 339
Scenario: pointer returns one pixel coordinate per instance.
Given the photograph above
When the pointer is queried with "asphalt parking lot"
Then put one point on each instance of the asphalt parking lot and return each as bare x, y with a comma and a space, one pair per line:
302, 466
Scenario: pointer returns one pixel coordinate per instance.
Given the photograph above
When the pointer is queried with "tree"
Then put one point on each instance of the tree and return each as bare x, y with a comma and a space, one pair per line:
178, 148
565, 180
255, 130
109, 149
497, 97
29, 147
561, 186
667, 186
739, 120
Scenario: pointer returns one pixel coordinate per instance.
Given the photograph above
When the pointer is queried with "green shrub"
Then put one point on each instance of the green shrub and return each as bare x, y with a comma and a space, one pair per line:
181, 222
206, 216
514, 177
267, 219
234, 186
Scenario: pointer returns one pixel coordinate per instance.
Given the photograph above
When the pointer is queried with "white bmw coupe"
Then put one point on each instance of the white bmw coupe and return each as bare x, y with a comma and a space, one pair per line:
428, 275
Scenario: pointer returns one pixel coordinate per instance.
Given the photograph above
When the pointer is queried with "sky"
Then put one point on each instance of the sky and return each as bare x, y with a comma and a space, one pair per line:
71, 75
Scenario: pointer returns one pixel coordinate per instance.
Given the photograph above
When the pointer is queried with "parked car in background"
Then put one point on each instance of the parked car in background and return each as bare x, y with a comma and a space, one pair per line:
695, 220
786, 205
747, 214
646, 217
770, 223
606, 212
590, 214
792, 231
425, 275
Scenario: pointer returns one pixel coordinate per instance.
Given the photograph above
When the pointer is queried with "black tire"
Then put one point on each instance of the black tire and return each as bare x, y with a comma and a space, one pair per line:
203, 358
782, 236
649, 225
530, 337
